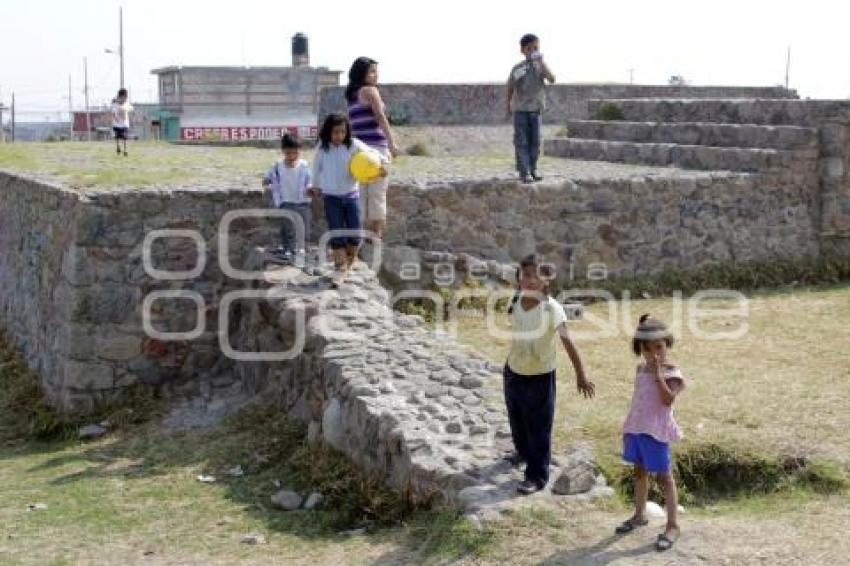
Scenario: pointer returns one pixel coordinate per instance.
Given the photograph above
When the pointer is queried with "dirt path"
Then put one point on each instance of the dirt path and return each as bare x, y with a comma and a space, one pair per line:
810, 533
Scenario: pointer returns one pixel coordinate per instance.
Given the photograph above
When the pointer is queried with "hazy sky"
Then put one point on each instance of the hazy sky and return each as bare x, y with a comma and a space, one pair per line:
711, 43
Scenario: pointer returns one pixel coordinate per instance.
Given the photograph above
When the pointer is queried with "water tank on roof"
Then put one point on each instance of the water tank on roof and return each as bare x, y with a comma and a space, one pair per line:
300, 51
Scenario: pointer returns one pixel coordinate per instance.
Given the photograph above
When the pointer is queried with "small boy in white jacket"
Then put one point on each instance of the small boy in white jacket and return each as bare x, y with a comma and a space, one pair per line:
289, 180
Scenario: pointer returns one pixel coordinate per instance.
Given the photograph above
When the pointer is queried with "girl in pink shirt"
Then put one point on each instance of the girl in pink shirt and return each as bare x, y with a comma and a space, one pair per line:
650, 427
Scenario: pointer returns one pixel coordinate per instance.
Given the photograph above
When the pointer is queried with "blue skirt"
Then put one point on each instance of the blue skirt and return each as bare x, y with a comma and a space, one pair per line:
645, 451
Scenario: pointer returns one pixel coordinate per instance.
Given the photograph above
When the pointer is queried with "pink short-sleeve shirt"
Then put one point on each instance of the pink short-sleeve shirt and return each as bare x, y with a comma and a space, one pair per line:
648, 415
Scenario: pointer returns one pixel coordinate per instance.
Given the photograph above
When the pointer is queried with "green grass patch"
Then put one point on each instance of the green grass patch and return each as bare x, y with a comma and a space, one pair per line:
25, 413
95, 164
86, 165
136, 491
442, 537
779, 389
739, 276
126, 481
746, 277
272, 447
17, 156
708, 473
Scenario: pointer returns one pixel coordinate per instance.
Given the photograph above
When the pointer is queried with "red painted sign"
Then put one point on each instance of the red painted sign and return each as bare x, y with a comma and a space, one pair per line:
252, 133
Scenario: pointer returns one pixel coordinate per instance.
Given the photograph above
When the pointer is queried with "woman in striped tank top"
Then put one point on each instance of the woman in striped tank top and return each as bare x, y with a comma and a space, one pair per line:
370, 125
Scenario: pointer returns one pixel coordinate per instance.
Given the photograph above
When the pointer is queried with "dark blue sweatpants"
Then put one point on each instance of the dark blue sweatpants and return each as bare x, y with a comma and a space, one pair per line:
342, 213
527, 127
530, 400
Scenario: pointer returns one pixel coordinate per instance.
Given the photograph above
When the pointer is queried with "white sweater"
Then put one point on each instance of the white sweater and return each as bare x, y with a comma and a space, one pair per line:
330, 168
289, 184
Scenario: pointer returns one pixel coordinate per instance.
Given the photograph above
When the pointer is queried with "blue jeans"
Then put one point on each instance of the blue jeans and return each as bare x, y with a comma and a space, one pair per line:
526, 141
287, 229
530, 400
342, 213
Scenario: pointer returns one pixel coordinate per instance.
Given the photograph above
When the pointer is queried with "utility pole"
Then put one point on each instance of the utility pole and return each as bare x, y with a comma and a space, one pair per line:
121, 41
13, 116
787, 68
70, 111
631, 76
120, 51
86, 95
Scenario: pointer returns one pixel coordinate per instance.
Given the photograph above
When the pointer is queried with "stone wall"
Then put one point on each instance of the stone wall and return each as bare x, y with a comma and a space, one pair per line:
728, 110
36, 229
408, 405
74, 282
835, 185
372, 383
484, 104
830, 119
633, 226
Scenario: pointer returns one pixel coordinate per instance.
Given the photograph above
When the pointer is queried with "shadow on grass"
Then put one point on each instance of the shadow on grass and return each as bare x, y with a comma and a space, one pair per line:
272, 451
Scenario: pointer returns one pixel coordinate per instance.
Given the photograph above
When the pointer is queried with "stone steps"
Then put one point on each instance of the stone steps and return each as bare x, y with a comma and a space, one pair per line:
683, 156
728, 111
696, 133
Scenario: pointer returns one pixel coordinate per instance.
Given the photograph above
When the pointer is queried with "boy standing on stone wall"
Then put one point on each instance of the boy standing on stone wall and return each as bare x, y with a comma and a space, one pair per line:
289, 180
526, 100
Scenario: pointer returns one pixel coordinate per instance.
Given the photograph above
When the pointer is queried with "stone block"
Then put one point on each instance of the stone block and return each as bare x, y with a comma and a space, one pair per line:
333, 431
106, 304
578, 473
77, 268
119, 347
88, 376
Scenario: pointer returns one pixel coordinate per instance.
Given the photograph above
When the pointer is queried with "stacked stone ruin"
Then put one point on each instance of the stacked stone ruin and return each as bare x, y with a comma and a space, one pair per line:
798, 144
739, 180
405, 403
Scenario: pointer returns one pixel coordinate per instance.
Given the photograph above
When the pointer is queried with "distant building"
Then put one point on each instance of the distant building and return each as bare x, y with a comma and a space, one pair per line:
242, 103
144, 122
98, 121
41, 131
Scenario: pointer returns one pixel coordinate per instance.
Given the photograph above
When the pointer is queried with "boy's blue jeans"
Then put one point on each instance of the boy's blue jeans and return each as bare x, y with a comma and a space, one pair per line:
530, 401
527, 141
287, 229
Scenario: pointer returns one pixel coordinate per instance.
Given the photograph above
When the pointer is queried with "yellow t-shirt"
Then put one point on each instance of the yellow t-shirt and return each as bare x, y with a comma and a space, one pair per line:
535, 337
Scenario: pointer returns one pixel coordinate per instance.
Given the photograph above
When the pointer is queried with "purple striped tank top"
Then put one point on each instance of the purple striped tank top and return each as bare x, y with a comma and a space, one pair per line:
364, 125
